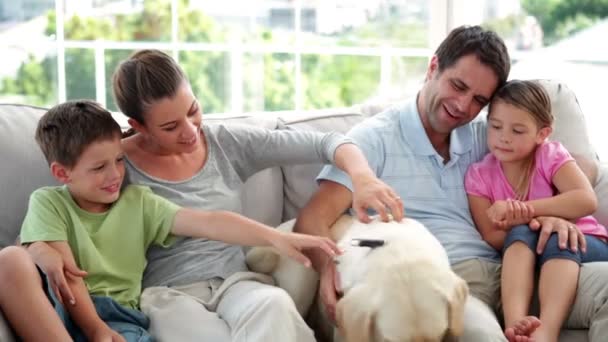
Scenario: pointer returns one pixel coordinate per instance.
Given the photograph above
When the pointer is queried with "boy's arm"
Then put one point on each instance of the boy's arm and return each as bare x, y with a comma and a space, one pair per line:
233, 228
491, 233
576, 198
83, 311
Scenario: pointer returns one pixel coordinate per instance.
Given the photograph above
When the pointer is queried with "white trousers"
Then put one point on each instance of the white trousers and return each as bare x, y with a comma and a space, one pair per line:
244, 308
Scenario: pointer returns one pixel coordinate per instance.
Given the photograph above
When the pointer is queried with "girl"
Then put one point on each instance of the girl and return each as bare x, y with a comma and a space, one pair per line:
523, 177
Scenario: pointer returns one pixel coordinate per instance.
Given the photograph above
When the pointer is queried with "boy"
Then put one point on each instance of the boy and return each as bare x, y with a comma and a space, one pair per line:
108, 232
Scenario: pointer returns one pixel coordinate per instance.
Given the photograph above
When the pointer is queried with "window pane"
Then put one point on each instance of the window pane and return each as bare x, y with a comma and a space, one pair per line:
118, 20
80, 74
112, 59
269, 82
237, 21
560, 40
29, 63
407, 77
209, 74
336, 81
366, 23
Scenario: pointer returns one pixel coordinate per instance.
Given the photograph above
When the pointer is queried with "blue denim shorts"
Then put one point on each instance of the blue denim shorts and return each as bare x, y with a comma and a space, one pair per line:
131, 324
523, 233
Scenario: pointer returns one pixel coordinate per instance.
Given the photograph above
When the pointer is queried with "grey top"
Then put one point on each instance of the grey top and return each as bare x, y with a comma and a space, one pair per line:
235, 152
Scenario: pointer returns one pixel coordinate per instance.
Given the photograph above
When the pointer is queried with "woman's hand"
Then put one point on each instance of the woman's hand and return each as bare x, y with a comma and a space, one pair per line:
509, 213
371, 192
104, 333
292, 244
56, 269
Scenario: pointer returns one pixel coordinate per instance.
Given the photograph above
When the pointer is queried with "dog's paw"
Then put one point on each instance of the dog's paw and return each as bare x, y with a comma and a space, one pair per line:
262, 259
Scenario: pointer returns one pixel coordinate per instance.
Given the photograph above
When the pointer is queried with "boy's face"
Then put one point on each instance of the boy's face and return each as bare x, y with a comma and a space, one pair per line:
95, 180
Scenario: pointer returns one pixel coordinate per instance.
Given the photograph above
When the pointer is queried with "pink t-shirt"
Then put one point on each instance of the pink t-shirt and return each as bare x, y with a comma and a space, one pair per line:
486, 179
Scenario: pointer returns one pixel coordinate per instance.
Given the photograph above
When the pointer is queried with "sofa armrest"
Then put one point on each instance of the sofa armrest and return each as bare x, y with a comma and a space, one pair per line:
6, 334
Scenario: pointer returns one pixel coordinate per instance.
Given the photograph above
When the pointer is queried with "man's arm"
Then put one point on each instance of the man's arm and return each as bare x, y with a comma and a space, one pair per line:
327, 204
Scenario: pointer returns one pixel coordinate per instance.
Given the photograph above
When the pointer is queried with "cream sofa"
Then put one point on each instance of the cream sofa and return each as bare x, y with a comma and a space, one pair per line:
273, 195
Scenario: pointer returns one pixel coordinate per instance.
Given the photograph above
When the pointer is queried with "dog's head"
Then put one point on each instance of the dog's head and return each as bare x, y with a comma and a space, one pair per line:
403, 300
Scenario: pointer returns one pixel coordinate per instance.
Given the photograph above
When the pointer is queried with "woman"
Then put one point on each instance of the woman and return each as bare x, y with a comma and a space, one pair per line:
203, 166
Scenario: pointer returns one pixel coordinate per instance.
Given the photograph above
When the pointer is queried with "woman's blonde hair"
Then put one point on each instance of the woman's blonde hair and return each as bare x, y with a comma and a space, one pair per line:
531, 97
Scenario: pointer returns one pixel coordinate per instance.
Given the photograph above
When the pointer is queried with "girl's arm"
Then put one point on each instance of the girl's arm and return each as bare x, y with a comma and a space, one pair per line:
491, 233
576, 198
236, 229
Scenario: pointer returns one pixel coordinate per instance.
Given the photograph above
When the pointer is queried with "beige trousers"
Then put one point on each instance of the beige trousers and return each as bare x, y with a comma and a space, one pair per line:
590, 309
244, 308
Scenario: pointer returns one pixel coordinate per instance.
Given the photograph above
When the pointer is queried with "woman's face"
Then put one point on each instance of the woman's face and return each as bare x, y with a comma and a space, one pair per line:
175, 123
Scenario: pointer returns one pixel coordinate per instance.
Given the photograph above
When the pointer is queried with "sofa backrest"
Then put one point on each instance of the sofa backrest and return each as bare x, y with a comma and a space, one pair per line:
23, 166
23, 169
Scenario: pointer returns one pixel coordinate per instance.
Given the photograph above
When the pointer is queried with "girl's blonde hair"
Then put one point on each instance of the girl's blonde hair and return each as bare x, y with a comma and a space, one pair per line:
531, 97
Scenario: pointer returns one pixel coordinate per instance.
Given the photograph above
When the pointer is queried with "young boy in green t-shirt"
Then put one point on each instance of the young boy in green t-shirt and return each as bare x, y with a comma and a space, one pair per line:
107, 229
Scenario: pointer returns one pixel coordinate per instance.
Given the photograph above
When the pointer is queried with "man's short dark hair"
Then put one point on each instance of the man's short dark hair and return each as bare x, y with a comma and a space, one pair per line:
486, 45
65, 130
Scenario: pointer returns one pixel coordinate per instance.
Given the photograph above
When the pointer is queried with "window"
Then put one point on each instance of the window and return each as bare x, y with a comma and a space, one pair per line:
239, 55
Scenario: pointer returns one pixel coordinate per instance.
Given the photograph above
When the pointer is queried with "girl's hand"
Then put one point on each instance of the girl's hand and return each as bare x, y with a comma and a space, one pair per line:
56, 269
371, 192
292, 244
509, 213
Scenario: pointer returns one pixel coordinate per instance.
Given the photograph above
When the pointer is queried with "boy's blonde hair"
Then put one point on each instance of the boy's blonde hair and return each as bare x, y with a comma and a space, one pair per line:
531, 97
67, 129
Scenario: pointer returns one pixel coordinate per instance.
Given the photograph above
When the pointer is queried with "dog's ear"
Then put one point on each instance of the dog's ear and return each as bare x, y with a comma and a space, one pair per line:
456, 307
356, 315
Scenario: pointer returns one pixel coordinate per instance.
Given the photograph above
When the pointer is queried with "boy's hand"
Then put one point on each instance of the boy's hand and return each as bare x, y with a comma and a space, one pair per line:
506, 214
292, 244
371, 192
56, 269
104, 334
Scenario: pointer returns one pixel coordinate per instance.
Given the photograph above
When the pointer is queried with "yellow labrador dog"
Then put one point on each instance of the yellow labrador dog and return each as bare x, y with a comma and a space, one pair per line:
396, 279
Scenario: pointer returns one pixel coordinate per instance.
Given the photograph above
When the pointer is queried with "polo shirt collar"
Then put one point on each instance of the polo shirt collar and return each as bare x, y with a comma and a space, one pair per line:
461, 138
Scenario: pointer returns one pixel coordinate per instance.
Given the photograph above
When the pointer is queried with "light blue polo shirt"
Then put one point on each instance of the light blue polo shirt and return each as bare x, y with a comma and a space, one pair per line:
401, 154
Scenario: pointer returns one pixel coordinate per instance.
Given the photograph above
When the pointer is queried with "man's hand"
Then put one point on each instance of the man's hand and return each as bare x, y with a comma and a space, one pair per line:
56, 269
371, 192
329, 288
567, 233
509, 213
292, 244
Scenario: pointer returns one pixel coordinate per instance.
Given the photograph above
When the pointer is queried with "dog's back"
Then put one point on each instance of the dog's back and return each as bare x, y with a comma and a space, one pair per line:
402, 291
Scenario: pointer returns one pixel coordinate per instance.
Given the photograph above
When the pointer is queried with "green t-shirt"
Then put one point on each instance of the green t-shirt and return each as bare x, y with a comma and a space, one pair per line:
110, 246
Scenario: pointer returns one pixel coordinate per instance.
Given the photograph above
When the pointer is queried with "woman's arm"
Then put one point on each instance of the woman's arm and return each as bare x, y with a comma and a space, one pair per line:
368, 190
576, 198
491, 233
83, 310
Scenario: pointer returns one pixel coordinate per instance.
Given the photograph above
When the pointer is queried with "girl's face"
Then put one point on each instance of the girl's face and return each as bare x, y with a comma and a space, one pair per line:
174, 124
513, 134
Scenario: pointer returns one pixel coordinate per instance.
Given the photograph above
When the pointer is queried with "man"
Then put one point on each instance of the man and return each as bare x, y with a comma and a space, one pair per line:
422, 148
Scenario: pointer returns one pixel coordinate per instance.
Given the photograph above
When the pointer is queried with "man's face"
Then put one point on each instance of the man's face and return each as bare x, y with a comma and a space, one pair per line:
456, 95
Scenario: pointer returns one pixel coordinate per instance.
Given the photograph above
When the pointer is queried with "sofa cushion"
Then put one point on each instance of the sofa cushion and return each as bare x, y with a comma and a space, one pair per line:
299, 180
570, 127
23, 166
